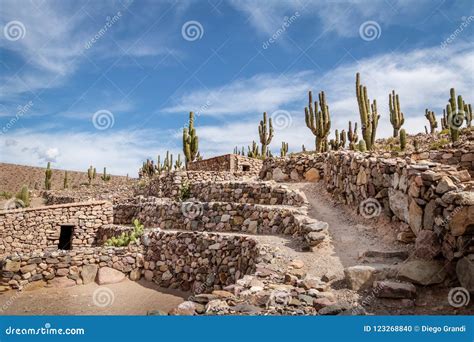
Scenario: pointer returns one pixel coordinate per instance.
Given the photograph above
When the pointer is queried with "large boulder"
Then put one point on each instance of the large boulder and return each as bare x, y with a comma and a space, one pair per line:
11, 266
462, 221
415, 217
465, 272
312, 175
398, 204
278, 175
107, 275
423, 272
427, 245
393, 289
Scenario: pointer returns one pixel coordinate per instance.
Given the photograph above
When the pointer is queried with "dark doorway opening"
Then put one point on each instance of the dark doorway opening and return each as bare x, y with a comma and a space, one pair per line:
246, 168
65, 238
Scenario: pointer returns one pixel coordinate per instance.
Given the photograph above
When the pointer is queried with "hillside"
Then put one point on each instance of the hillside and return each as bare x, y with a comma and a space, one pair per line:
13, 177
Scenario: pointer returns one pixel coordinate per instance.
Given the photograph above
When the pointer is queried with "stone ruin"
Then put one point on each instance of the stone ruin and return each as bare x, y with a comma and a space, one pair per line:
206, 244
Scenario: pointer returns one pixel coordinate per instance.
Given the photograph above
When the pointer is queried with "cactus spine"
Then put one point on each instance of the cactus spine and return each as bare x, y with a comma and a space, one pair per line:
47, 177
190, 141
265, 134
352, 136
368, 114
403, 139
284, 149
397, 119
430, 115
318, 121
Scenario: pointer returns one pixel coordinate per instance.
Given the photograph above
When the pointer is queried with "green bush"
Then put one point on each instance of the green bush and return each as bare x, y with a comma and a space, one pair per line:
125, 238
6, 194
184, 191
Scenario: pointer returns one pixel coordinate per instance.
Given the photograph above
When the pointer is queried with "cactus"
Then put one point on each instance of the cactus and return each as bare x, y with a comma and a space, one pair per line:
47, 177
65, 183
455, 115
284, 149
416, 145
23, 197
397, 119
190, 141
352, 136
403, 139
444, 121
105, 177
368, 114
343, 139
335, 143
94, 174
236, 151
318, 121
426, 130
90, 174
430, 115
178, 164
303, 149
362, 146
265, 134
468, 114
253, 152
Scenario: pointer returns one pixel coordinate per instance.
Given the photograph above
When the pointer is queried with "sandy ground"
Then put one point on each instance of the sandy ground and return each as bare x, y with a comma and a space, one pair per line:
124, 298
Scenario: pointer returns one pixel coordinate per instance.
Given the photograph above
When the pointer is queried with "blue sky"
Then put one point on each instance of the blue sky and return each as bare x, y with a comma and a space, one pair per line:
111, 83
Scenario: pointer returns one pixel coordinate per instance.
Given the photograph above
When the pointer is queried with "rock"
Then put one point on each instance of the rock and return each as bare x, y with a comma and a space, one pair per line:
296, 264
167, 276
320, 303
148, 275
225, 218
406, 237
294, 175
462, 221
135, 274
222, 294
315, 238
11, 266
415, 218
28, 268
465, 272
216, 305
62, 282
186, 308
156, 313
313, 283
312, 175
334, 309
246, 308
62, 272
398, 202
423, 272
107, 275
427, 245
428, 217
278, 175
359, 276
252, 228
392, 289
445, 185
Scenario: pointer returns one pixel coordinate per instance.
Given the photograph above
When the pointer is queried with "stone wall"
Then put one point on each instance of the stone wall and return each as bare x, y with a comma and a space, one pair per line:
68, 268
434, 200
229, 163
37, 229
199, 262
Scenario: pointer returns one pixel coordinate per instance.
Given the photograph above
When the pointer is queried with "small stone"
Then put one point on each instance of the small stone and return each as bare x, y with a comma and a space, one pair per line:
296, 264
107, 275
359, 276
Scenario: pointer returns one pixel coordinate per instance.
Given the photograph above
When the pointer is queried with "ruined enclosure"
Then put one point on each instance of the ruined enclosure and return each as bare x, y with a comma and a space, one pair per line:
254, 240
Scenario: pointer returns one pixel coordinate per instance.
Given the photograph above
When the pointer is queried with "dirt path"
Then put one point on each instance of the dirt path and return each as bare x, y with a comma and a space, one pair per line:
124, 298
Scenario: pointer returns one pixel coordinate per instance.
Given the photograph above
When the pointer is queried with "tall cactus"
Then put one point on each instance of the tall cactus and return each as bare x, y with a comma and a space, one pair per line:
190, 141
283, 149
352, 136
455, 111
90, 174
178, 164
65, 182
253, 151
343, 138
318, 120
468, 114
265, 134
105, 177
444, 121
397, 119
47, 177
368, 114
430, 115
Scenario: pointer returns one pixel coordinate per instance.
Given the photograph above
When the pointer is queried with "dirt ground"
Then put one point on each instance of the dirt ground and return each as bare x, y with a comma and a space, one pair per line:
124, 298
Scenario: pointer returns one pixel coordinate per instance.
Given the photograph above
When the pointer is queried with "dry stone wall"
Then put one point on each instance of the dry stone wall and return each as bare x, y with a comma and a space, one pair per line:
229, 163
37, 229
199, 262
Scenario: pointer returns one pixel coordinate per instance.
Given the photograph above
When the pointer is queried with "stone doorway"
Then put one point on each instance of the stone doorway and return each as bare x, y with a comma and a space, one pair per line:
65, 237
